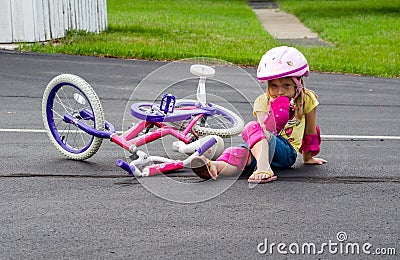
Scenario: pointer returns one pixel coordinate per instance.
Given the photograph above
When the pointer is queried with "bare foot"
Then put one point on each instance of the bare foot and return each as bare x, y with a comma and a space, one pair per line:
314, 160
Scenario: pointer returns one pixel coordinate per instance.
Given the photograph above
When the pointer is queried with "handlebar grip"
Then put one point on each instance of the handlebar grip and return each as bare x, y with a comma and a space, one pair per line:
207, 145
124, 165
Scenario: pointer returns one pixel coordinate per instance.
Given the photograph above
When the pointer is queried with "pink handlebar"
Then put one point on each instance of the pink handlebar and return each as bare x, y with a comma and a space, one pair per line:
207, 145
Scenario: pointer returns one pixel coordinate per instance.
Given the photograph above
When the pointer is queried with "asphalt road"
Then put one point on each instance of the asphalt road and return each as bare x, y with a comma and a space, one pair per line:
54, 208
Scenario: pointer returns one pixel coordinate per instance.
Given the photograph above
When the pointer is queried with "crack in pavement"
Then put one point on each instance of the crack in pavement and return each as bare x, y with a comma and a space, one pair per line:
345, 180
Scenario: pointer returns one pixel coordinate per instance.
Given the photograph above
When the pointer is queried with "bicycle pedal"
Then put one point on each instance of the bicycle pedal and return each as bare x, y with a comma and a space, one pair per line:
167, 104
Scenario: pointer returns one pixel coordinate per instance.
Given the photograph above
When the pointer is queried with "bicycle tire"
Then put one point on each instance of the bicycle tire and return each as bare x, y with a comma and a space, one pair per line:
69, 93
232, 125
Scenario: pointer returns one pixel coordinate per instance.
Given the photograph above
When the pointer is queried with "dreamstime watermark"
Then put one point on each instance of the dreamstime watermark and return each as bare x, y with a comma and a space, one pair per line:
339, 246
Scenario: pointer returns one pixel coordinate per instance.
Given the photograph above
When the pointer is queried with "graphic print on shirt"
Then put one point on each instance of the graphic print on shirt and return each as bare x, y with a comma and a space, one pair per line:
291, 123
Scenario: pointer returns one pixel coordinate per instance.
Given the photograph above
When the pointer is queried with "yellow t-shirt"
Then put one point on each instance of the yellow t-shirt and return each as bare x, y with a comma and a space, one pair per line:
293, 130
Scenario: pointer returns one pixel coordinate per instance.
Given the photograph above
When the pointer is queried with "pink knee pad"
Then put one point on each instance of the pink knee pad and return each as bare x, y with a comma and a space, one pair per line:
236, 156
278, 115
252, 133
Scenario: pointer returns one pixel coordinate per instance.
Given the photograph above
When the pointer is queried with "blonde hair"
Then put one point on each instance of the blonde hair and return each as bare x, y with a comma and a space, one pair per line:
300, 99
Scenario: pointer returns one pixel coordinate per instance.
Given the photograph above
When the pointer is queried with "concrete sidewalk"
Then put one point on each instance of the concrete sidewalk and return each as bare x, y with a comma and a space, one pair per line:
285, 27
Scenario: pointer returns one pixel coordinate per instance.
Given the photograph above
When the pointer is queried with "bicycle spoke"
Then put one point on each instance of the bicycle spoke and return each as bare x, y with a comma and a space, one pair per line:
59, 122
62, 103
74, 142
74, 109
82, 136
86, 136
66, 97
68, 131
59, 116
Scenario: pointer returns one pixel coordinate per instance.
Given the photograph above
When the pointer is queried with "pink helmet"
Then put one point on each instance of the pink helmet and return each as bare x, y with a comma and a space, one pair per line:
283, 61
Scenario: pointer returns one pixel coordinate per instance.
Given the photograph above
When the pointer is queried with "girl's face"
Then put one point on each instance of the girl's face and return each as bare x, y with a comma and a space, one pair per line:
281, 87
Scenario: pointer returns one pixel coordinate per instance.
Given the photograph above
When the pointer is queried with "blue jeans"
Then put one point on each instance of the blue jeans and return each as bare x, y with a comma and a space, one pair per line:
280, 150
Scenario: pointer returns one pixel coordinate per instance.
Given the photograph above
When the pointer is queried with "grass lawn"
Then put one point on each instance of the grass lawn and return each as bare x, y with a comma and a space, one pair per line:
365, 34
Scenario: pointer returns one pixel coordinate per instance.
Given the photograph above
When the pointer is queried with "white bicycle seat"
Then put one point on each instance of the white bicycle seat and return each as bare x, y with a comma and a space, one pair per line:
202, 70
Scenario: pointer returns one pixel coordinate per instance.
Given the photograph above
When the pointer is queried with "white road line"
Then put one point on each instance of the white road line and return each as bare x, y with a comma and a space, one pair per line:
325, 137
361, 137
23, 130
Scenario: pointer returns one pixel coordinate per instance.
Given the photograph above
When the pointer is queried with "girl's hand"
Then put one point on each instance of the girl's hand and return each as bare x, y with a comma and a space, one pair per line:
313, 160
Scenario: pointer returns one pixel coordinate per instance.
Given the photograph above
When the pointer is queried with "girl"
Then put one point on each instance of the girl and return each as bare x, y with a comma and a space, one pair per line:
282, 128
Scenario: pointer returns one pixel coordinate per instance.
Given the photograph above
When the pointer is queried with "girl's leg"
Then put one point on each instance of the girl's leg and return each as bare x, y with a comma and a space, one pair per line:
226, 169
207, 169
261, 152
223, 168
258, 141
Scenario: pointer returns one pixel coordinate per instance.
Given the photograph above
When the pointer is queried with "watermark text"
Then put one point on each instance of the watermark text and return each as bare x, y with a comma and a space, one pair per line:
338, 246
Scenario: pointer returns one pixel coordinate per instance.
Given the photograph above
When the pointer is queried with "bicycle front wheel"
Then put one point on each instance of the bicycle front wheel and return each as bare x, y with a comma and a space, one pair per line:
70, 94
224, 123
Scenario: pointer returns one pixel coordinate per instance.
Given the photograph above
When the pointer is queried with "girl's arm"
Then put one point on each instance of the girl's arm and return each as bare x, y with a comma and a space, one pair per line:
310, 129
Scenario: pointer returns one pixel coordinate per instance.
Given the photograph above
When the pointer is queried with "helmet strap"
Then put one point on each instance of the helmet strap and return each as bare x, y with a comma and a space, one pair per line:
299, 86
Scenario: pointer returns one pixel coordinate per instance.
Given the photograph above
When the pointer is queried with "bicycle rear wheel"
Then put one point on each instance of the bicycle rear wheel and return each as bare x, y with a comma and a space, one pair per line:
223, 123
71, 94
